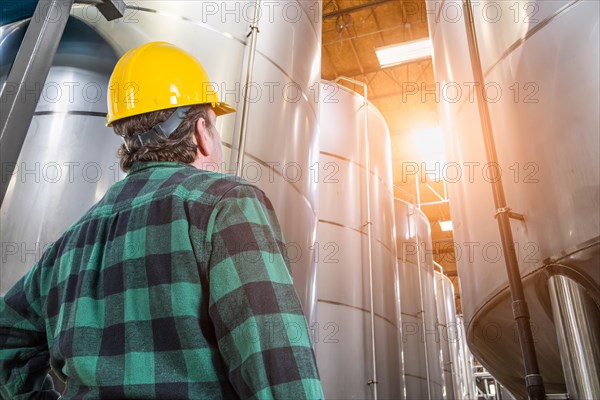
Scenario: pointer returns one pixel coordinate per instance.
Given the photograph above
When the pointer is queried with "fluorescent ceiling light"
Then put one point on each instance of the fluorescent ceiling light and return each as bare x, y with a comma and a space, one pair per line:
446, 226
404, 52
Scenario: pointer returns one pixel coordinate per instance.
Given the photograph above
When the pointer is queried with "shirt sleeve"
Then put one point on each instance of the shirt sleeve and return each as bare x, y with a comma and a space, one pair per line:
24, 354
260, 327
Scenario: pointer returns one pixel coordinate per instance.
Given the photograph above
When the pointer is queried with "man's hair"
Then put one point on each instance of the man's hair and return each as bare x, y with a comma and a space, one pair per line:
180, 146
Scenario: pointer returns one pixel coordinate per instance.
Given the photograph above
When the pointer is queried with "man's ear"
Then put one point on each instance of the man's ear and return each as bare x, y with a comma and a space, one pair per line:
203, 137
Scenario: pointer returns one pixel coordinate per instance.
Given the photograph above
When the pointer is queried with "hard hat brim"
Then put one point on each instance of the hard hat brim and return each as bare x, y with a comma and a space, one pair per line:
222, 108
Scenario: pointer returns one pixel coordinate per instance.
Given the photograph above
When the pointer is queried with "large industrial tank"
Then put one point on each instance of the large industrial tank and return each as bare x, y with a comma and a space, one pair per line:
448, 334
345, 346
421, 339
540, 62
69, 157
282, 121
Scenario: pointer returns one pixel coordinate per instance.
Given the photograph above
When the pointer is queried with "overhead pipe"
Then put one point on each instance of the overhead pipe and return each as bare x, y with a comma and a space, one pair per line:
533, 378
246, 105
356, 8
373, 380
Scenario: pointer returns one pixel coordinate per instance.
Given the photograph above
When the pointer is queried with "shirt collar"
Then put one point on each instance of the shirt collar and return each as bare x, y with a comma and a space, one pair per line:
142, 165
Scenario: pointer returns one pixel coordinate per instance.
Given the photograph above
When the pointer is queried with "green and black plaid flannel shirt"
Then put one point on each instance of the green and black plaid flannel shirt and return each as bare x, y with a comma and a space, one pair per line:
174, 286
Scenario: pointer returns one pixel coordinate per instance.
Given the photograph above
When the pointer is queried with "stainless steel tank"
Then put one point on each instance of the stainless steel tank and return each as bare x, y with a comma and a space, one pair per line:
448, 334
540, 63
420, 336
282, 128
69, 157
282, 125
450, 337
468, 390
345, 346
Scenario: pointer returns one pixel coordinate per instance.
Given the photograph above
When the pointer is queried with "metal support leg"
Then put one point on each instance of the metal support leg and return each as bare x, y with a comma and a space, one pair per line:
27, 77
577, 322
112, 9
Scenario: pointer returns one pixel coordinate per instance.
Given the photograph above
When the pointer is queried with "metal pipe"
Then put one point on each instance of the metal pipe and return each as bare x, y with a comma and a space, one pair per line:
418, 192
435, 193
487, 388
445, 189
373, 381
434, 203
410, 196
533, 378
577, 323
111, 9
359, 7
27, 77
246, 106
499, 395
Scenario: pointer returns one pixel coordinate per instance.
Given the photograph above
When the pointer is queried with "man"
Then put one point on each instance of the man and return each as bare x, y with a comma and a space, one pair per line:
174, 285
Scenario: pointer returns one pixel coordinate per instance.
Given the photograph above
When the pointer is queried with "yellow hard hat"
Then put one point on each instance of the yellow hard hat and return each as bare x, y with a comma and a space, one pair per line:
157, 76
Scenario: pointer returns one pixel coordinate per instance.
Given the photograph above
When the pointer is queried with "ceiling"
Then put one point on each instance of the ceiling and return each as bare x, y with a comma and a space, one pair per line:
405, 95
